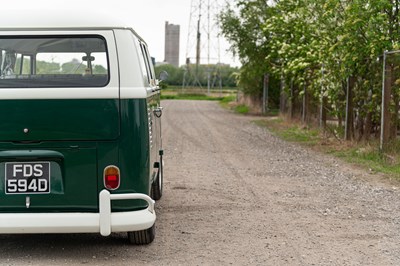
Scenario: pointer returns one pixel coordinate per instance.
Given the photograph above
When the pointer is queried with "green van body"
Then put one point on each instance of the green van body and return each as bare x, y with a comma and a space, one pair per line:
76, 129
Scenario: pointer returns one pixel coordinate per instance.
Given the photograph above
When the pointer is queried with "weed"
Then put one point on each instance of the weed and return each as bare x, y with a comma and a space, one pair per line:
242, 109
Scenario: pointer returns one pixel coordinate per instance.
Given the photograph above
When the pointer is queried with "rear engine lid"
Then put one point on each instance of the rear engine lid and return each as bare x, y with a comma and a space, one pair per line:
59, 120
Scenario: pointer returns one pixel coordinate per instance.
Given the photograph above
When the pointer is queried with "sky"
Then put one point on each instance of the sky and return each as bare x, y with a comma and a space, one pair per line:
146, 17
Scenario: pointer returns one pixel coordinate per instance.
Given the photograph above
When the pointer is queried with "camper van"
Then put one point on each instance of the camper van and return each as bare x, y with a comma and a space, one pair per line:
80, 129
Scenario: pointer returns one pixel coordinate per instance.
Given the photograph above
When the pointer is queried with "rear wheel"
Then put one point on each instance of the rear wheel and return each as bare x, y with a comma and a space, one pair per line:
142, 237
157, 186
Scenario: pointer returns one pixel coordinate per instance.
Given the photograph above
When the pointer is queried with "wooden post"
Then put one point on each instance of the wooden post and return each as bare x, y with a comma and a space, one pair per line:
349, 126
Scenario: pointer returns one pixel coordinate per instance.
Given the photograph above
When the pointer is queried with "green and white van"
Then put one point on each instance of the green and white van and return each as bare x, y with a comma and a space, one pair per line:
80, 129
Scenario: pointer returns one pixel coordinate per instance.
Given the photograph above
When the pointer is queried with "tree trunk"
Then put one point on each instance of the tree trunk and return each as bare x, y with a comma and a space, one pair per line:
394, 118
360, 125
349, 126
306, 106
283, 97
292, 101
322, 115
368, 126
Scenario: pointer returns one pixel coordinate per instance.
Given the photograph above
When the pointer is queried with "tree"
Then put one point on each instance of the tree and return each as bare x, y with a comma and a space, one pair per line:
175, 74
75, 66
314, 46
43, 67
241, 24
99, 69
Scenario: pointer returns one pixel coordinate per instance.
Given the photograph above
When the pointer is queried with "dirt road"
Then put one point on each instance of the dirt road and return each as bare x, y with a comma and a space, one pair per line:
236, 195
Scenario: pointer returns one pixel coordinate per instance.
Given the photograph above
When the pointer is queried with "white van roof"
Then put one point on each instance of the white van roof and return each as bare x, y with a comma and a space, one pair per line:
57, 19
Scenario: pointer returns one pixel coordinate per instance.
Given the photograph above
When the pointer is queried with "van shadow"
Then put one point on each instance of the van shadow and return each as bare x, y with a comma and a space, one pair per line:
68, 247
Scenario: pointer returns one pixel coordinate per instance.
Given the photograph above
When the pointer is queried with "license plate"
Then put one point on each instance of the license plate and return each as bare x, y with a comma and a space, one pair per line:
27, 178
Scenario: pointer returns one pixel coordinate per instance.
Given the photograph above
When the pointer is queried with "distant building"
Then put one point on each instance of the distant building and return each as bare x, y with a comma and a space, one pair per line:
172, 33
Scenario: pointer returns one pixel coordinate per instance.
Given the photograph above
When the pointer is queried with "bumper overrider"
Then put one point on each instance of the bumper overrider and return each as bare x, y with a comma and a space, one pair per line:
103, 222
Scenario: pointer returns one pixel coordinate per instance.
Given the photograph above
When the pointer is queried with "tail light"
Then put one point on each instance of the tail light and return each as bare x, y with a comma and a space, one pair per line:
111, 177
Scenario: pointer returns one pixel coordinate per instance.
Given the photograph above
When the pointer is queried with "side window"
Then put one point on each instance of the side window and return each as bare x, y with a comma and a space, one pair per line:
147, 64
143, 65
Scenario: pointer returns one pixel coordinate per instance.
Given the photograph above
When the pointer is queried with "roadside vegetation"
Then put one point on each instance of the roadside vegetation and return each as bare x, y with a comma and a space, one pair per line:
225, 97
323, 58
364, 154
190, 96
178, 75
325, 67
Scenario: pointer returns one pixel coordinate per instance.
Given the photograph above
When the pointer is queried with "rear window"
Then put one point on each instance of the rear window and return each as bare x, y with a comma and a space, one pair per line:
53, 61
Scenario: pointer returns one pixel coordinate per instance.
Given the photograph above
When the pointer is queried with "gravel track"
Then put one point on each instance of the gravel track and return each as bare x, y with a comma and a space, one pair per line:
236, 195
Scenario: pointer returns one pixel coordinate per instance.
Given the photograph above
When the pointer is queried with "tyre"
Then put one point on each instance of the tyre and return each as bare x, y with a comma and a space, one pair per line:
157, 186
142, 237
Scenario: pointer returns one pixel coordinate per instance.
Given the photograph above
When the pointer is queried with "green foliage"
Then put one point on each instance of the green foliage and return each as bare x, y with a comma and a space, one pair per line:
293, 133
25, 67
225, 102
370, 158
175, 95
317, 44
248, 41
43, 67
190, 96
73, 67
242, 109
99, 70
176, 75
228, 99
241, 24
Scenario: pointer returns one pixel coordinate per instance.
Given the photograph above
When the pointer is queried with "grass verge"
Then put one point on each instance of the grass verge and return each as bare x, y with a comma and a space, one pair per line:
369, 156
224, 96
364, 154
241, 109
190, 96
